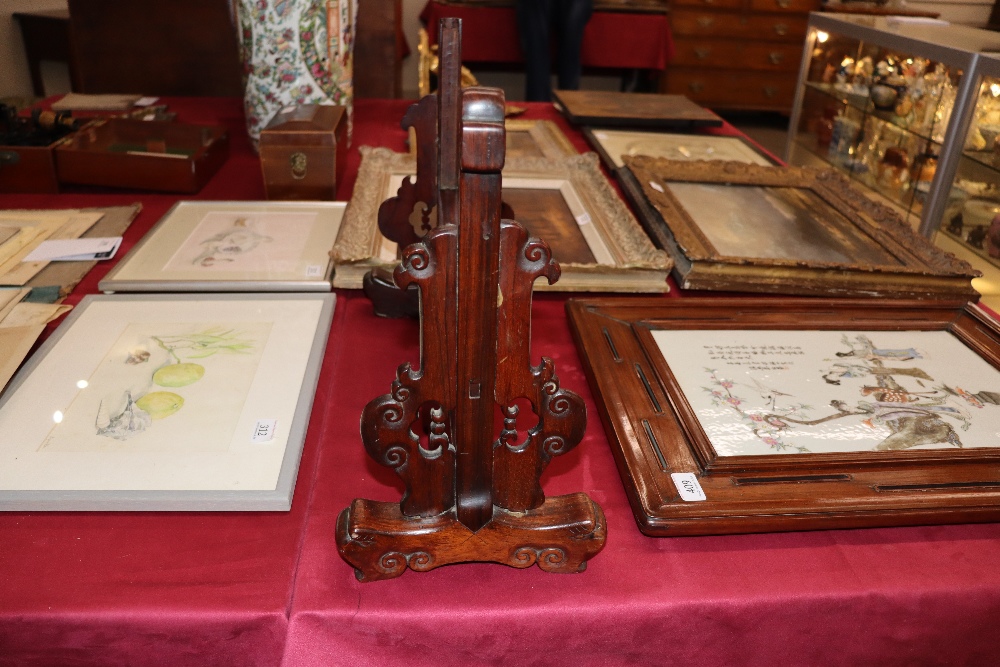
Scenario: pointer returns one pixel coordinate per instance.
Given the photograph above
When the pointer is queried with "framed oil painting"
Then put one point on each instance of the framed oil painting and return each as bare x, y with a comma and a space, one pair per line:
233, 247
165, 402
528, 139
568, 203
611, 145
787, 230
756, 415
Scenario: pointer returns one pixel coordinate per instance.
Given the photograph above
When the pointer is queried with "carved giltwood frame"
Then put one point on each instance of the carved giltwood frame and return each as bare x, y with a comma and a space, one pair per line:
545, 135
627, 259
914, 268
656, 433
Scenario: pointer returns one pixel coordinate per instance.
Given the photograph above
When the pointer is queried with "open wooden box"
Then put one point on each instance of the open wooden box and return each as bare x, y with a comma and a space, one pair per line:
142, 155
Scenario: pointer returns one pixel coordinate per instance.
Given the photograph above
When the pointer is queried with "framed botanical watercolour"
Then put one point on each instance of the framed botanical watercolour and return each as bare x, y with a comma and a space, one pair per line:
568, 203
789, 230
165, 402
611, 145
233, 247
752, 415
600, 108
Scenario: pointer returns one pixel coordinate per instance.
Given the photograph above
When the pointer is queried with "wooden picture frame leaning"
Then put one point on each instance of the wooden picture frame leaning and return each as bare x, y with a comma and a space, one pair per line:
592, 214
661, 442
787, 230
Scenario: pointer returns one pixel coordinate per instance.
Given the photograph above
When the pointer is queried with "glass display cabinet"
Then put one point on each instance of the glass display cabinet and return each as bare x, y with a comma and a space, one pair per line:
909, 108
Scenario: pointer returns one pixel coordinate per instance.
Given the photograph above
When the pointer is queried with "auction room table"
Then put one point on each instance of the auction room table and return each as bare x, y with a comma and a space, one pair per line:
256, 588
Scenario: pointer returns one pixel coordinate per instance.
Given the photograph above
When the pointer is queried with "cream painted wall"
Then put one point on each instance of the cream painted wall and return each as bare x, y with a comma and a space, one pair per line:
14, 78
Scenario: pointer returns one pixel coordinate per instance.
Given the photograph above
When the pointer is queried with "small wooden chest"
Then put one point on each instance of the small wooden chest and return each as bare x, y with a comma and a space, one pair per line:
302, 152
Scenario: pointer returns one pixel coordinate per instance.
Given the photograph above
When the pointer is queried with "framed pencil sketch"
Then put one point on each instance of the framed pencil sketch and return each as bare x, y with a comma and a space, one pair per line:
568, 203
165, 402
233, 247
755, 415
789, 230
611, 145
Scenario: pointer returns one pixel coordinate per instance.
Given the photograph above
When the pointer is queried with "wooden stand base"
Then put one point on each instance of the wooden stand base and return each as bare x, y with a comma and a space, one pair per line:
380, 542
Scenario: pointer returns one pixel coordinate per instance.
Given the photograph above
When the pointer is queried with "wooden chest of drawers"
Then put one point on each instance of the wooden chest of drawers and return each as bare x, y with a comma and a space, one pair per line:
737, 54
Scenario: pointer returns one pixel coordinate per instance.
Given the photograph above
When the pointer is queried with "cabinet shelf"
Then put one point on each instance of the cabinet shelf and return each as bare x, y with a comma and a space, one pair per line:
938, 166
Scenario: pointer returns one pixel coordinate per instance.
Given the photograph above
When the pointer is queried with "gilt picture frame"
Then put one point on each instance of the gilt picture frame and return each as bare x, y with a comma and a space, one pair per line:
714, 411
528, 139
787, 230
612, 144
158, 402
223, 246
598, 242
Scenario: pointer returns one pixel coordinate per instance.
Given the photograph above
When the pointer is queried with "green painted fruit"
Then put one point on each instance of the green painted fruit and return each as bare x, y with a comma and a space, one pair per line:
160, 404
178, 375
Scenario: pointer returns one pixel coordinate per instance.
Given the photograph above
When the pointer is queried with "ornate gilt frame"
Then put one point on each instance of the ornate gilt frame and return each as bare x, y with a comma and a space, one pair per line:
921, 271
550, 141
631, 262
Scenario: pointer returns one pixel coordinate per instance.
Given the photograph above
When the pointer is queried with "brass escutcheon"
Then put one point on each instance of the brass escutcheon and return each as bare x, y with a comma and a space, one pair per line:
297, 161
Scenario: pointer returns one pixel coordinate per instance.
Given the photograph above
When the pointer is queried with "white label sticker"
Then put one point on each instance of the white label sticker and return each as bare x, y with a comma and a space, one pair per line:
263, 430
688, 486
583, 219
314, 271
656, 186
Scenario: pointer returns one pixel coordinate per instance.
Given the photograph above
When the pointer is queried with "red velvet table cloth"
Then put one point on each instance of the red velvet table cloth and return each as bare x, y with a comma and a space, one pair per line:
624, 40
269, 588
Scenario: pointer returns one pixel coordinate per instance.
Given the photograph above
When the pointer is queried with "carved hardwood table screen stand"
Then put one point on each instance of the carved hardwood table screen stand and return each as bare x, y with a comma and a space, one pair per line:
472, 493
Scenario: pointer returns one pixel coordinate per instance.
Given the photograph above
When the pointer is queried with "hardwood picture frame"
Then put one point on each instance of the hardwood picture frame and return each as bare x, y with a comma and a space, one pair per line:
229, 246
899, 453
160, 402
786, 230
601, 108
597, 241
612, 144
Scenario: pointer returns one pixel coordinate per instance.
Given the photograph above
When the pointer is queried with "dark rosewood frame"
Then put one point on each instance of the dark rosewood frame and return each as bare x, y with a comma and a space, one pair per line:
654, 431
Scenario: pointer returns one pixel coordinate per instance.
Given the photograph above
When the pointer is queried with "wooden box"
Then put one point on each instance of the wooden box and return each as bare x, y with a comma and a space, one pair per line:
302, 152
143, 155
28, 169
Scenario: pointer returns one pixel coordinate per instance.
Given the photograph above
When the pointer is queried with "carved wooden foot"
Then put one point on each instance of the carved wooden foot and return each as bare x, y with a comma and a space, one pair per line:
560, 536
387, 299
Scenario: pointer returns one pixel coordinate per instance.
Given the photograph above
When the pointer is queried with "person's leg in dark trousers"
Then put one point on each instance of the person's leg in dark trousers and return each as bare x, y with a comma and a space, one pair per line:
570, 19
534, 30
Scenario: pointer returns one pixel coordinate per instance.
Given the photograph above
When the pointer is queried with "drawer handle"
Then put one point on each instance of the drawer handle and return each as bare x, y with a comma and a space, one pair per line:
776, 57
784, 4
9, 157
702, 52
770, 91
781, 29
696, 86
705, 21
